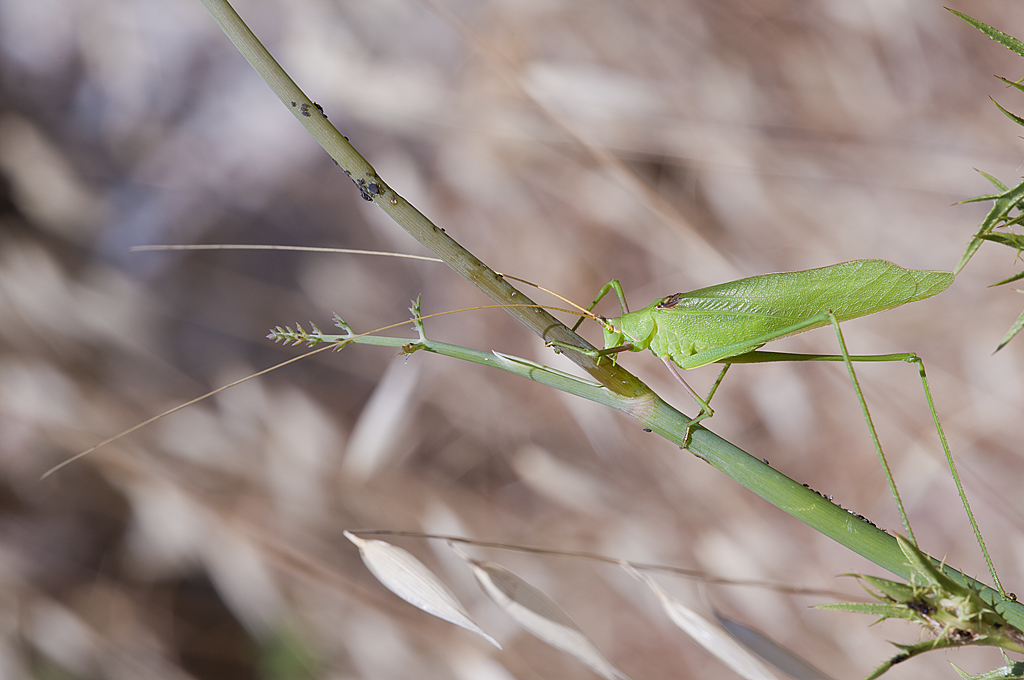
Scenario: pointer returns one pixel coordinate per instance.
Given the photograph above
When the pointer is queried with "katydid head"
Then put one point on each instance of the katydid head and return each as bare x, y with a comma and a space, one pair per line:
613, 335
633, 328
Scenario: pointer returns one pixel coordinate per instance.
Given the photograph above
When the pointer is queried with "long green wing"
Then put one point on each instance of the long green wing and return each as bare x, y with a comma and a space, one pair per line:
848, 290
730, 313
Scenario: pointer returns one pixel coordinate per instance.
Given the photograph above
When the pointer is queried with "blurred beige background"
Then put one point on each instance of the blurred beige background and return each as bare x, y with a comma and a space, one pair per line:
672, 145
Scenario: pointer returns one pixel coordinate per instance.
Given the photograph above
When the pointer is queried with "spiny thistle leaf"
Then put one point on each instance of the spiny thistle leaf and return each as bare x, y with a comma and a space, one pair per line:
1003, 204
998, 185
1013, 83
892, 589
882, 611
1017, 325
1011, 671
909, 652
999, 216
1007, 41
1016, 277
1012, 116
1011, 240
953, 612
981, 199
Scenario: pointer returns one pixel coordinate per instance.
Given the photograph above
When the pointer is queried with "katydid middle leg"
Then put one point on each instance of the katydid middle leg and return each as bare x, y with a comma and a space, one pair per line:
705, 404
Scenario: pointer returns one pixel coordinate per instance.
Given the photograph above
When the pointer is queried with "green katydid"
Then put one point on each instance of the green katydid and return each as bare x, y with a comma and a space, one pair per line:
727, 323
722, 322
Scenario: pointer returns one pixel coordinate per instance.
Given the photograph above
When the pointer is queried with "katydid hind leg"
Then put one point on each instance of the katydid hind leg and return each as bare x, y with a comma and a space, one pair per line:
907, 357
871, 428
707, 401
718, 381
956, 476
746, 349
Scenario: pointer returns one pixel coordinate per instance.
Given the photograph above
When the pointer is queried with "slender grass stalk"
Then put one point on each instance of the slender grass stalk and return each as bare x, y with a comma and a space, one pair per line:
615, 386
373, 188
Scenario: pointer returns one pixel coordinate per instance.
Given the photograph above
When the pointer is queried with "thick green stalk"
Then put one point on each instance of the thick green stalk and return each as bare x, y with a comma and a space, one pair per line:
805, 504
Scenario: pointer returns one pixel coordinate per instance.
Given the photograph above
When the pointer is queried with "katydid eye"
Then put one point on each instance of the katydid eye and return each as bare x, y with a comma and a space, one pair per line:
670, 302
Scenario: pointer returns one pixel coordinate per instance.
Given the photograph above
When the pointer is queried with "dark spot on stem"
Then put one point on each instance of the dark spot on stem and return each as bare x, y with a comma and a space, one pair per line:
305, 110
366, 190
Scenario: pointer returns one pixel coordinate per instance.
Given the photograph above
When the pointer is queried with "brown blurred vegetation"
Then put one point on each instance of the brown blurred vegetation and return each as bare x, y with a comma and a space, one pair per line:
709, 140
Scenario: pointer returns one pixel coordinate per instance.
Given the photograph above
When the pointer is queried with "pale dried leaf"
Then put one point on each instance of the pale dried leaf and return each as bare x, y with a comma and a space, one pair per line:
769, 650
541, 616
712, 637
411, 580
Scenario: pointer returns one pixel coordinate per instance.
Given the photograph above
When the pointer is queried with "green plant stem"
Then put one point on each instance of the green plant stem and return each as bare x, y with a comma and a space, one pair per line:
803, 503
617, 388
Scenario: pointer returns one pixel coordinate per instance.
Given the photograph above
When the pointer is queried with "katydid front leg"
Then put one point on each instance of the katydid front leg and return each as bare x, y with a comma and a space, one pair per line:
611, 285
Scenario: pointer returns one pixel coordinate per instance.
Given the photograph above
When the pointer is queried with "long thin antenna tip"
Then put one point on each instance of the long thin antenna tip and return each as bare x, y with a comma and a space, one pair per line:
67, 462
307, 249
177, 408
